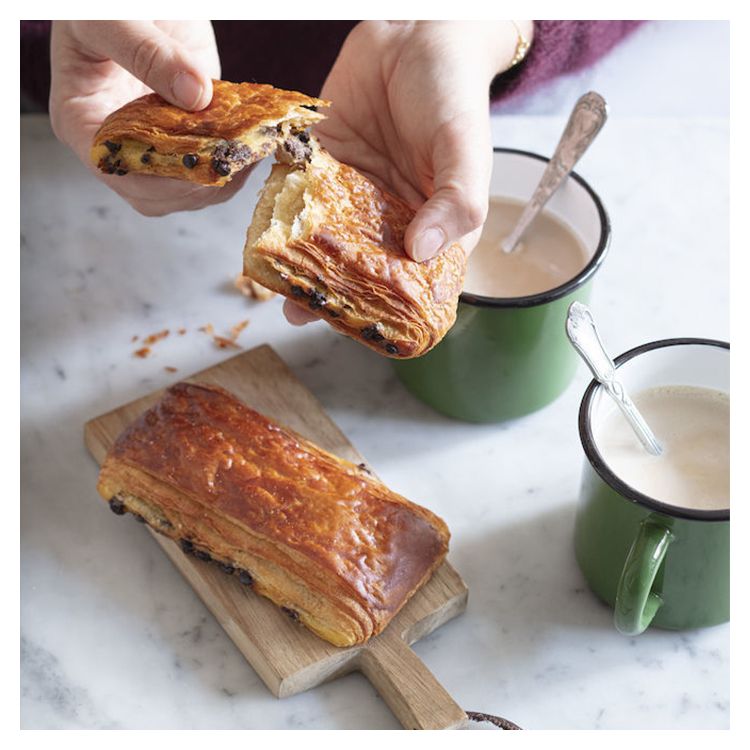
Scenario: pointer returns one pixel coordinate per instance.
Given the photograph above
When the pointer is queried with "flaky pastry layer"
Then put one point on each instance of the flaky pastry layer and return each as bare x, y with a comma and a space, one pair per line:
327, 237
315, 534
243, 123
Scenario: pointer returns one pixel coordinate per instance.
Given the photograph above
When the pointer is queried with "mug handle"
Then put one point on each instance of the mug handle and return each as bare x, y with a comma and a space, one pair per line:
636, 604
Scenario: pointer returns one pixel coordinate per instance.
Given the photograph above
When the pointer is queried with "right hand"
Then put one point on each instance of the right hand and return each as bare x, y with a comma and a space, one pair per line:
97, 66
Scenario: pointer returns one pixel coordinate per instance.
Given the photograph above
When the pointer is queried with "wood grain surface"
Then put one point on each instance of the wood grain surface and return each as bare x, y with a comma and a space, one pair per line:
288, 657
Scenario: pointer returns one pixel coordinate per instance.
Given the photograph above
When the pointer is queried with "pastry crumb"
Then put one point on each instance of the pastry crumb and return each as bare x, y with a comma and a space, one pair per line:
169, 368
252, 289
154, 337
208, 328
225, 343
134, 339
142, 353
238, 329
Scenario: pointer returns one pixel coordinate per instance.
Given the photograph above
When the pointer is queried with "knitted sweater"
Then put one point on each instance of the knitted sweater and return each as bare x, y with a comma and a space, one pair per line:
298, 54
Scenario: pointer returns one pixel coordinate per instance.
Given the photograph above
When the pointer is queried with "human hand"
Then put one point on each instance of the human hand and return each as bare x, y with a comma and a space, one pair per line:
97, 66
411, 111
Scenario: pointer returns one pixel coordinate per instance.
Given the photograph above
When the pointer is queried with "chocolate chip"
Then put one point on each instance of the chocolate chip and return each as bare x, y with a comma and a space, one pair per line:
317, 300
371, 333
221, 167
165, 523
121, 171
145, 158
298, 148
140, 518
228, 153
246, 578
151, 148
201, 555
232, 151
312, 107
391, 348
332, 313
298, 291
290, 613
227, 568
187, 546
190, 160
117, 506
112, 147
304, 137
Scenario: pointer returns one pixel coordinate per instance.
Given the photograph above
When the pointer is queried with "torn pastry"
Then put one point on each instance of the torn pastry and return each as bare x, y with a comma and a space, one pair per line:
243, 123
325, 236
319, 536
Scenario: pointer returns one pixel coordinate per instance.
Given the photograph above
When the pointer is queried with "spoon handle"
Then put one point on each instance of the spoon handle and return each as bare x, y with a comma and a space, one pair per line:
585, 121
584, 336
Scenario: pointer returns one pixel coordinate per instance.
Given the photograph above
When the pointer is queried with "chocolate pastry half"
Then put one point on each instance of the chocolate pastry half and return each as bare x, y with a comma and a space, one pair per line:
327, 237
243, 123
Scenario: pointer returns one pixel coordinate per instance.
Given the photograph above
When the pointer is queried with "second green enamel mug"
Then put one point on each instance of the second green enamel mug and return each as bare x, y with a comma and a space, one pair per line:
654, 563
506, 357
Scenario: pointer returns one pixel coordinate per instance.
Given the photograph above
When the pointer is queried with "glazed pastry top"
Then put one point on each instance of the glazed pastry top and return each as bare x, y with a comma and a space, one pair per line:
245, 467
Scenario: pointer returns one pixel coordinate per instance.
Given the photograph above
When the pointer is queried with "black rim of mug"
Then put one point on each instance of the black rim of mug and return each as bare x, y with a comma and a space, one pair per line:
597, 461
532, 300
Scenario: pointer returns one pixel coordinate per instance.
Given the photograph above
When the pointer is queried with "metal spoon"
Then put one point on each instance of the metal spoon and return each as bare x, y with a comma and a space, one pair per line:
585, 121
582, 332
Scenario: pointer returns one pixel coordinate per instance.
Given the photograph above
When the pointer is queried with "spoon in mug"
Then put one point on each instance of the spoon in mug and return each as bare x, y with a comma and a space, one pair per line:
584, 123
584, 336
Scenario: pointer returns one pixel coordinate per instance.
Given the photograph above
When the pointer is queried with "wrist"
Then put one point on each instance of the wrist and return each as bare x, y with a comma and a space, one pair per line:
511, 41
494, 46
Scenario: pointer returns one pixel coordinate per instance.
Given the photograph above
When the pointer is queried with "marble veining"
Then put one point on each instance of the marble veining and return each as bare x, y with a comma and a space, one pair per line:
112, 636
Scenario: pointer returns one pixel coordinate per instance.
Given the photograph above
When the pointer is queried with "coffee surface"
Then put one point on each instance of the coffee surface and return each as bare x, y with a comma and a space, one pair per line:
692, 424
548, 255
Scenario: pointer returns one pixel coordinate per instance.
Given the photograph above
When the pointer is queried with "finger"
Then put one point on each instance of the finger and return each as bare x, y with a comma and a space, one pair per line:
297, 315
458, 206
159, 196
152, 56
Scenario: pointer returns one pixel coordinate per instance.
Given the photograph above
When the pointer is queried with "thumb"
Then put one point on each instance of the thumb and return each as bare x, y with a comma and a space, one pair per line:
462, 165
155, 58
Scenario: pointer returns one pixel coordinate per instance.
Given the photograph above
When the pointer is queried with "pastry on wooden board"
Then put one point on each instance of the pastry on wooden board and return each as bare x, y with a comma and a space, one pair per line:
327, 237
243, 123
317, 535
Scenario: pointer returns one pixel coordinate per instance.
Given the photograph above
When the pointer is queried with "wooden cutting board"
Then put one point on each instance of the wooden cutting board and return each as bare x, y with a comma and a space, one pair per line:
289, 658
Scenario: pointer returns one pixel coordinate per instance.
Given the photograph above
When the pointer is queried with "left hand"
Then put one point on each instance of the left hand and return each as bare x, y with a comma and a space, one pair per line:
97, 66
411, 111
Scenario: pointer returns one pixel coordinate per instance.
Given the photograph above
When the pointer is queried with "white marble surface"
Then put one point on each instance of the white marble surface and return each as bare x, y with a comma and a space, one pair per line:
111, 634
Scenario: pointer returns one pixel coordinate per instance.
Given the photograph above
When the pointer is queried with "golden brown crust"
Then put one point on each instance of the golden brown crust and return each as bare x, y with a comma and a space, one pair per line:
243, 123
327, 237
317, 534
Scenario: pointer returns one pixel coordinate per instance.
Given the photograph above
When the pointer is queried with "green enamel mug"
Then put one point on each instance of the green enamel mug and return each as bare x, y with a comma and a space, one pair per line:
656, 564
507, 357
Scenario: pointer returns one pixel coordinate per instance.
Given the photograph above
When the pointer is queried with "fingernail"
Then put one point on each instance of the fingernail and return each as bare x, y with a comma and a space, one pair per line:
187, 90
428, 243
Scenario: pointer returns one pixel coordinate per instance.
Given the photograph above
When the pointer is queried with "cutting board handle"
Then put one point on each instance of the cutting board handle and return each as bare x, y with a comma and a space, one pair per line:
411, 691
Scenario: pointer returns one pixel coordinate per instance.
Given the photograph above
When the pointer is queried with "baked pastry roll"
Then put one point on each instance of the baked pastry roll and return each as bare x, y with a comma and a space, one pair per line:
317, 535
327, 237
243, 123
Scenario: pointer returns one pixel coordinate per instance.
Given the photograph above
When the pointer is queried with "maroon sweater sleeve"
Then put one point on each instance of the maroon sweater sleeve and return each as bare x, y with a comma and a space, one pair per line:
560, 47
299, 54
